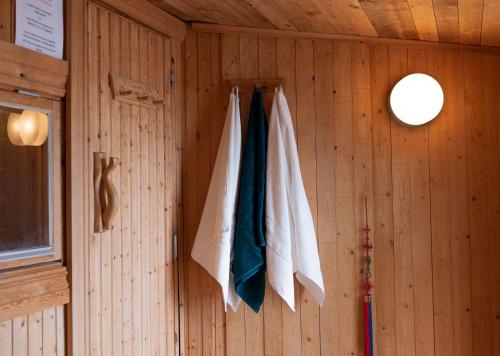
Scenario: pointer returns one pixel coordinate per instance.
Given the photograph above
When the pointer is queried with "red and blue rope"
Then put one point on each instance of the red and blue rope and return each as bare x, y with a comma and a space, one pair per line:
367, 287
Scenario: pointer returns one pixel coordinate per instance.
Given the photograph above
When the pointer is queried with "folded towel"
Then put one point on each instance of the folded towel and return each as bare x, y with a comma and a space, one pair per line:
291, 239
249, 241
214, 241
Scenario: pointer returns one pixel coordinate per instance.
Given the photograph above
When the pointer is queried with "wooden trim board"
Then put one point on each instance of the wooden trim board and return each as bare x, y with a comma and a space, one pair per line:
29, 290
22, 68
150, 15
214, 28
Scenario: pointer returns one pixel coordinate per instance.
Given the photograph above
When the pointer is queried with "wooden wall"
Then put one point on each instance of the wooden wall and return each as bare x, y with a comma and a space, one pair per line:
7, 20
35, 334
433, 195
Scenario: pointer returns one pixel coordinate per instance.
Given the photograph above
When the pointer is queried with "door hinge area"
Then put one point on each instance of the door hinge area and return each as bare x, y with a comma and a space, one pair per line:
172, 72
174, 246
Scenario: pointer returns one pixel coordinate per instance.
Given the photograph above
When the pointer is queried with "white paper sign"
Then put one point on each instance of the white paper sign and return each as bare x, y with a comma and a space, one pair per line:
39, 26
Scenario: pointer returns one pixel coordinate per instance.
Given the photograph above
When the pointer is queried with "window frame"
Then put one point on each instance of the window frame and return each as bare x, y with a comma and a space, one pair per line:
52, 252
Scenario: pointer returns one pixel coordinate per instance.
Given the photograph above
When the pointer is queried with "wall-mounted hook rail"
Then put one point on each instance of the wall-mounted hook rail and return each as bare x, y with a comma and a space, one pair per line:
247, 85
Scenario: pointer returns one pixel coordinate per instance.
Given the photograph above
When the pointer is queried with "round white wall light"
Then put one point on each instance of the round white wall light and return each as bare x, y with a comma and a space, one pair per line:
416, 99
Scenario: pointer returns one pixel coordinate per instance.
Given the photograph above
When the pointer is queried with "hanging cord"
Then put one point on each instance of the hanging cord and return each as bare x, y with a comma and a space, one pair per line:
367, 286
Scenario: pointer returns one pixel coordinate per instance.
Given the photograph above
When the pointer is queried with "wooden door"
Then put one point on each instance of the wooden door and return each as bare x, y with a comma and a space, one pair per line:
129, 272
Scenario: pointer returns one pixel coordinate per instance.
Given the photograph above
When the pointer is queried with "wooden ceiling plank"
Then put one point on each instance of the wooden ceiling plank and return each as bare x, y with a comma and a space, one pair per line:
358, 17
270, 13
197, 10
470, 17
391, 19
304, 15
446, 12
490, 35
244, 13
179, 9
336, 15
422, 12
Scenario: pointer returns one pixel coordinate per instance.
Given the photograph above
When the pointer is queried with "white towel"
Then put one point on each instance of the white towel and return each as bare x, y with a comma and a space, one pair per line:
214, 241
290, 236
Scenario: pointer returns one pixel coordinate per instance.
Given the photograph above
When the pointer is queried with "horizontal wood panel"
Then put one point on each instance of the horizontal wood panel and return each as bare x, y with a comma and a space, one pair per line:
22, 68
432, 195
29, 290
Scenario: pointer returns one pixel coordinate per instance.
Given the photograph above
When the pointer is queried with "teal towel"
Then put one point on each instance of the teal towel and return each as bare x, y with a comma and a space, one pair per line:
249, 263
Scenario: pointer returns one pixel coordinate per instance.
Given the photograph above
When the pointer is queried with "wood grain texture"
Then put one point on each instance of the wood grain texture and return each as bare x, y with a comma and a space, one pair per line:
21, 68
129, 283
453, 21
39, 333
26, 291
434, 293
490, 36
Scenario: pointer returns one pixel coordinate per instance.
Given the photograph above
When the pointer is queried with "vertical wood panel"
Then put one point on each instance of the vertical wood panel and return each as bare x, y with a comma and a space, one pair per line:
440, 217
130, 282
459, 211
6, 20
492, 110
20, 337
418, 182
94, 262
193, 330
203, 176
285, 51
421, 224
144, 214
104, 132
363, 166
37, 334
249, 67
382, 203
49, 332
477, 173
325, 152
134, 197
125, 195
231, 69
403, 224
306, 133
272, 307
347, 264
116, 262
217, 118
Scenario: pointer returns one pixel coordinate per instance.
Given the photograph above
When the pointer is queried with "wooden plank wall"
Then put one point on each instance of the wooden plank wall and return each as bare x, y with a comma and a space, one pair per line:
7, 20
432, 192
129, 272
35, 334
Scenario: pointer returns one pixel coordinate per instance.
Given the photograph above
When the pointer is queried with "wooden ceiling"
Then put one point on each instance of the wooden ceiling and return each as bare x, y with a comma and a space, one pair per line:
474, 22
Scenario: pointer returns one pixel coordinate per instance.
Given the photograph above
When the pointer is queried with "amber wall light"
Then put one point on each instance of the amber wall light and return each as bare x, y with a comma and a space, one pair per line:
30, 128
416, 99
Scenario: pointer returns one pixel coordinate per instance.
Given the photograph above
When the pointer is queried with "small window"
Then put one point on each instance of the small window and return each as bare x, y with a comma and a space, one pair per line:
26, 185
